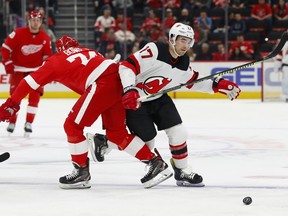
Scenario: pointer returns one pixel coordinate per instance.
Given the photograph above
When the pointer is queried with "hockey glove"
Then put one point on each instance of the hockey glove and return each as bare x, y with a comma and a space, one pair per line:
8, 110
226, 87
194, 77
129, 98
9, 67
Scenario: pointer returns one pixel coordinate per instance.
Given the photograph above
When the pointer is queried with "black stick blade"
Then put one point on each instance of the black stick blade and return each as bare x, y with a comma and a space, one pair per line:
4, 156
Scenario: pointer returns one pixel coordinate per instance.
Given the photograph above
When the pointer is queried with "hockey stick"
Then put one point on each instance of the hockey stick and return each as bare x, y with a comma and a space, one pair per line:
274, 52
4, 156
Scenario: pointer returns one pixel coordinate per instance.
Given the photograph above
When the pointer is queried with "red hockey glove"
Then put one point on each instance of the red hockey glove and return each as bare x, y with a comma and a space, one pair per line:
129, 98
194, 77
8, 110
226, 87
9, 67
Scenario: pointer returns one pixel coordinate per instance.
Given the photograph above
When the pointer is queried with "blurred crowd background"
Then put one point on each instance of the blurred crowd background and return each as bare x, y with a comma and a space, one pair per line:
224, 29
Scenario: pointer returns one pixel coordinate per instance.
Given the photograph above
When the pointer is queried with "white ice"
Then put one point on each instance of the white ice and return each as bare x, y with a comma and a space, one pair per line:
240, 148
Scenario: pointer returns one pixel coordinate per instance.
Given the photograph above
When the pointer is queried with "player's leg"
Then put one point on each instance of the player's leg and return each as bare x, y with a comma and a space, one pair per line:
80, 176
32, 108
14, 82
114, 123
84, 113
169, 120
97, 98
182, 171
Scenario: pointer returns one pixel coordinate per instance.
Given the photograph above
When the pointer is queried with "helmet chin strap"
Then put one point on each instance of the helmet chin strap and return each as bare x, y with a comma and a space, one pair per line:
174, 50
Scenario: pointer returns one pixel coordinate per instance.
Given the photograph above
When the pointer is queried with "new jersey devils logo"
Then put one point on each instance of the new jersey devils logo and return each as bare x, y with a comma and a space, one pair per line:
153, 84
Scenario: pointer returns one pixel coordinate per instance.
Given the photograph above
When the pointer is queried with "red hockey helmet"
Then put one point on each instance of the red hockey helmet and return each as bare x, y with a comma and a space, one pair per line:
65, 42
35, 14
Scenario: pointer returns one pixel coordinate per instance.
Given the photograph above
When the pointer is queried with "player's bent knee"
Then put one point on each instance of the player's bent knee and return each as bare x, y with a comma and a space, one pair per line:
120, 138
73, 131
176, 134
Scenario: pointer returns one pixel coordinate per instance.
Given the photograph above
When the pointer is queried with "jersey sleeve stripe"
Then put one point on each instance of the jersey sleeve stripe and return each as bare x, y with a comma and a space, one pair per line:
8, 62
132, 63
6, 47
31, 82
97, 72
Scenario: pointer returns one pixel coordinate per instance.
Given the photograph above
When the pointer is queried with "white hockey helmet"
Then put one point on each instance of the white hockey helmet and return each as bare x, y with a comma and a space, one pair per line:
182, 30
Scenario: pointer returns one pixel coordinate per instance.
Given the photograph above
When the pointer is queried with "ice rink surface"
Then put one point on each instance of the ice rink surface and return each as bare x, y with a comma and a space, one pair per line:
240, 148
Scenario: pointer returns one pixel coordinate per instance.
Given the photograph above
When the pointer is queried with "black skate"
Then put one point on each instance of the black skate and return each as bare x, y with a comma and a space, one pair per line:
97, 145
157, 172
27, 129
186, 178
11, 128
78, 179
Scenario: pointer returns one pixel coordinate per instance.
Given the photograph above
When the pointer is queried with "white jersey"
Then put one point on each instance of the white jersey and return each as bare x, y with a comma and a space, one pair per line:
282, 56
281, 62
153, 69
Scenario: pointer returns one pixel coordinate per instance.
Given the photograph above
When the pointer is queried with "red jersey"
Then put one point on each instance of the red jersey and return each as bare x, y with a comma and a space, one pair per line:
77, 68
169, 22
280, 11
261, 10
120, 24
218, 56
245, 47
26, 50
149, 22
172, 3
155, 4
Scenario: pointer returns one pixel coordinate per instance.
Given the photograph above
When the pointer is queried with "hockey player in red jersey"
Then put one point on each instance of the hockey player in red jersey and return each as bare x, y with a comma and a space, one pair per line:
96, 80
158, 67
23, 52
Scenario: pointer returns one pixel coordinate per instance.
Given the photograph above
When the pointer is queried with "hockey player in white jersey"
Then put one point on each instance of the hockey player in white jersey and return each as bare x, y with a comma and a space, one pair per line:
154, 68
281, 64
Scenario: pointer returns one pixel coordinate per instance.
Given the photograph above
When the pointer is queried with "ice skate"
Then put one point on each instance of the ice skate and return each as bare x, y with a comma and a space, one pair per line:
78, 179
27, 129
186, 178
11, 127
157, 173
97, 145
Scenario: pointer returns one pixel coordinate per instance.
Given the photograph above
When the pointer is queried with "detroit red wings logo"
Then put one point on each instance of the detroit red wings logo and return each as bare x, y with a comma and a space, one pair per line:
31, 49
153, 84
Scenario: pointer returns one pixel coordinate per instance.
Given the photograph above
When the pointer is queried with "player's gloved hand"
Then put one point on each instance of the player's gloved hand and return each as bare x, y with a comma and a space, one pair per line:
9, 67
130, 98
226, 87
194, 77
8, 110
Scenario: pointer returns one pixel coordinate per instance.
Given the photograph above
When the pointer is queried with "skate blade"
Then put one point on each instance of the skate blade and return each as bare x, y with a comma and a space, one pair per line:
162, 176
96, 156
187, 184
90, 139
79, 185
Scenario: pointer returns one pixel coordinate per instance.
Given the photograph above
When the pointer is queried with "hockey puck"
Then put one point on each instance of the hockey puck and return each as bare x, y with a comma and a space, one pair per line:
247, 200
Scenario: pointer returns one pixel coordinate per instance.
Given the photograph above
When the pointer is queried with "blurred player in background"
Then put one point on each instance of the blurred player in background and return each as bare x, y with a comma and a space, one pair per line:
23, 52
281, 65
96, 80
